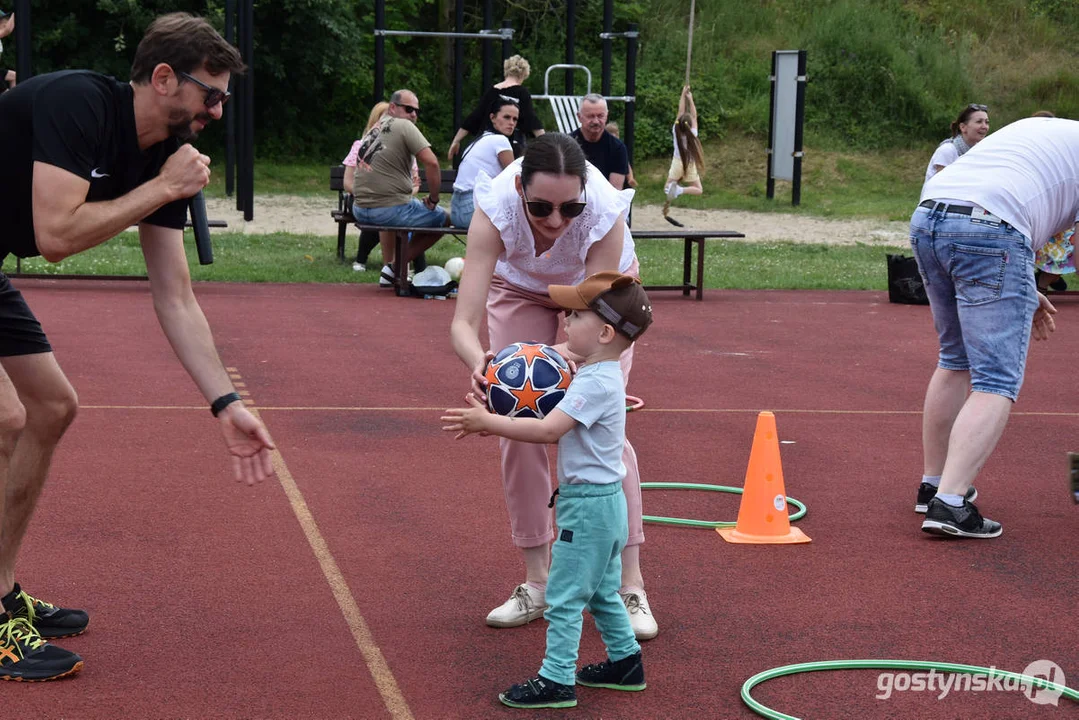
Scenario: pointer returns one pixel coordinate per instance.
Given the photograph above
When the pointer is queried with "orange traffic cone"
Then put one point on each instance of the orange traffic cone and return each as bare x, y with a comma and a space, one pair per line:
762, 514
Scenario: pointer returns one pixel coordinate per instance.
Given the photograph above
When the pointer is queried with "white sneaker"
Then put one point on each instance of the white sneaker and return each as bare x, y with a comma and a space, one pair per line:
640, 615
525, 605
358, 267
672, 191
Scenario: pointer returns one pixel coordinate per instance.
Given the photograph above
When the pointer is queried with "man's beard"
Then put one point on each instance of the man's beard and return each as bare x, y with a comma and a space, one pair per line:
180, 125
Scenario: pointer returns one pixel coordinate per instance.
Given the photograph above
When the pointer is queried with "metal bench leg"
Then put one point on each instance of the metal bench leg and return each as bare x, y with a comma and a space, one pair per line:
400, 265
342, 231
687, 263
700, 268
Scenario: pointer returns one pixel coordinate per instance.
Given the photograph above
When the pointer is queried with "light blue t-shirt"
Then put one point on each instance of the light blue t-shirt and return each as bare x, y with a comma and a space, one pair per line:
592, 451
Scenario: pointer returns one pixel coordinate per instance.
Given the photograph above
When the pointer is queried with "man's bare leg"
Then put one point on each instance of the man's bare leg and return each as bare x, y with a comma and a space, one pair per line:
45, 405
944, 399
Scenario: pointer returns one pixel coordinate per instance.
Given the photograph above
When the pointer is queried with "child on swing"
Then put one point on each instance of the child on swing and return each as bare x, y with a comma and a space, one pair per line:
687, 165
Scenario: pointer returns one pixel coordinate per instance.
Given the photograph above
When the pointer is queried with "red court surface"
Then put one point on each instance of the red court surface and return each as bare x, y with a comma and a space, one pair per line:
356, 583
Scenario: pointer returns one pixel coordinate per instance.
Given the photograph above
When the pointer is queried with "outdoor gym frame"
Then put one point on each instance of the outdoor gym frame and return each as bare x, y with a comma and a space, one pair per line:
504, 34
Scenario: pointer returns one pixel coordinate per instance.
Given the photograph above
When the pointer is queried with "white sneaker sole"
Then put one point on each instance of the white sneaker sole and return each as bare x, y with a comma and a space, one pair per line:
935, 527
517, 621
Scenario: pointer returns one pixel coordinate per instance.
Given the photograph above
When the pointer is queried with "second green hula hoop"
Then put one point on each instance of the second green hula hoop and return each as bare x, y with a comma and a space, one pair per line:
767, 712
801, 508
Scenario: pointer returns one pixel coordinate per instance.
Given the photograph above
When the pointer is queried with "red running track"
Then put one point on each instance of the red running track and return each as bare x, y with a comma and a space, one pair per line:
356, 585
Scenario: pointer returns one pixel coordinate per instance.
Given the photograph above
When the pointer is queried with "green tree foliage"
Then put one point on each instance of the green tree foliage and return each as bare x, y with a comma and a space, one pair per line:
881, 72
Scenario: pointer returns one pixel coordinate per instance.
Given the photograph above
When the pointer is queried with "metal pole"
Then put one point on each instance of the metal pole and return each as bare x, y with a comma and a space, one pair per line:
241, 111
608, 26
458, 63
631, 88
380, 52
571, 40
799, 117
770, 186
248, 42
23, 44
507, 44
689, 45
488, 50
230, 111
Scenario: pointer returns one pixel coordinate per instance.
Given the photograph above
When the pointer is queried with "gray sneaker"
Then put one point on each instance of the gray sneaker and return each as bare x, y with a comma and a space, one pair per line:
947, 521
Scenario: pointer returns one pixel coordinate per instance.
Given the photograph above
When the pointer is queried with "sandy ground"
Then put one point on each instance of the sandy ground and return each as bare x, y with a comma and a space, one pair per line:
311, 215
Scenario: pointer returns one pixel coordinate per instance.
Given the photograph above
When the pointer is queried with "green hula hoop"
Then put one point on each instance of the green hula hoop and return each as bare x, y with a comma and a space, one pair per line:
767, 712
801, 508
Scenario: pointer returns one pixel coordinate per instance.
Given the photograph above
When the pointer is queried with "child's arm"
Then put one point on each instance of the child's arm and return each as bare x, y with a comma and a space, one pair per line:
682, 103
692, 108
477, 419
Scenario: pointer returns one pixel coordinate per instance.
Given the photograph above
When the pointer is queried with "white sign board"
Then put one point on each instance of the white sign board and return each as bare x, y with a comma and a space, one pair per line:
783, 120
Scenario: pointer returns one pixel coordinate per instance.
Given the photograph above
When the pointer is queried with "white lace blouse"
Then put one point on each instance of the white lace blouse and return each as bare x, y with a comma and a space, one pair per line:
564, 263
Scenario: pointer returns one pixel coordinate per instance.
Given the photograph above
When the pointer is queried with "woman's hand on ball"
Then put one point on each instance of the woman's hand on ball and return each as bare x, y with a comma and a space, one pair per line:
479, 382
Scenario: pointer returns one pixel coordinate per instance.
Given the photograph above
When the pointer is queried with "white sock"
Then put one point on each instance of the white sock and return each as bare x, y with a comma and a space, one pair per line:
953, 500
933, 480
678, 190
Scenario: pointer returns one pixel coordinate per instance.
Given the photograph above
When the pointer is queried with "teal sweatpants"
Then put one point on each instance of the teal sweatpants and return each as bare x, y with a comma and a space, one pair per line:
586, 572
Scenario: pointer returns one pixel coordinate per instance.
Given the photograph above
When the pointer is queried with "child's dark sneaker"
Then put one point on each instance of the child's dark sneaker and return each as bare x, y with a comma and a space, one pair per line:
49, 621
943, 519
927, 492
539, 692
626, 674
26, 657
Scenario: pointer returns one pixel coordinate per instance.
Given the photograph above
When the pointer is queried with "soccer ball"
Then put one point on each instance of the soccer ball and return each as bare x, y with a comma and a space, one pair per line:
455, 266
526, 380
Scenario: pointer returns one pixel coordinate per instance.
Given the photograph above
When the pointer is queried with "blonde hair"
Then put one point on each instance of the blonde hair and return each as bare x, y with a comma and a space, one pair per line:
377, 112
516, 66
689, 146
612, 128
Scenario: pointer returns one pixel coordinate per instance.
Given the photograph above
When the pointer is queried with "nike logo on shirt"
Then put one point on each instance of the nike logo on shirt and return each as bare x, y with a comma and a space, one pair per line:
95, 173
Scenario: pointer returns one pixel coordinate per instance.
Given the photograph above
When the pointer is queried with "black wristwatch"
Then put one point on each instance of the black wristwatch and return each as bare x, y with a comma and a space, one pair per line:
224, 401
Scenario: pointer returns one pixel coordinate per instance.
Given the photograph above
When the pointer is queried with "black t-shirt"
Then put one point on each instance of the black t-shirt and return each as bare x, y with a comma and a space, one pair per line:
480, 119
609, 154
81, 122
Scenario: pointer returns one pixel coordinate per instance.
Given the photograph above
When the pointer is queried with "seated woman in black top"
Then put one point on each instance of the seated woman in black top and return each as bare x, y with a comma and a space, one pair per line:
516, 69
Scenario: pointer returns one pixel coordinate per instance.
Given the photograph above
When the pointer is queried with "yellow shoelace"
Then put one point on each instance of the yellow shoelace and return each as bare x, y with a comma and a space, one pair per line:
19, 630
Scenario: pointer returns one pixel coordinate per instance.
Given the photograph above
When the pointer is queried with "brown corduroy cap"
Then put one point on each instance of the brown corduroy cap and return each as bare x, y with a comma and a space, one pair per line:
618, 299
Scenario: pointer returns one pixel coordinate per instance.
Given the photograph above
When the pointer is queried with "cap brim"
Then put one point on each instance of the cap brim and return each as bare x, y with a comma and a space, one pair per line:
567, 296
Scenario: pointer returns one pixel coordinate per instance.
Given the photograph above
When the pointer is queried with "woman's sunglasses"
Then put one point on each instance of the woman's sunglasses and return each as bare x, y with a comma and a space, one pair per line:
976, 106
543, 208
213, 95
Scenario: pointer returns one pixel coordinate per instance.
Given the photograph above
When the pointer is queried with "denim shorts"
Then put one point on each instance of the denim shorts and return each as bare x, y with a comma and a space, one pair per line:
462, 208
412, 214
979, 277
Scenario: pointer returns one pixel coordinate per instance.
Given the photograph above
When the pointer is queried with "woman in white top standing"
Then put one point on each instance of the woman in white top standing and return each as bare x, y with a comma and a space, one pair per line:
489, 153
549, 218
968, 130
687, 165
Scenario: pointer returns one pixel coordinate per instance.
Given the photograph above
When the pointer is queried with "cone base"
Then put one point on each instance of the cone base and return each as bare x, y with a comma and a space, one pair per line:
792, 536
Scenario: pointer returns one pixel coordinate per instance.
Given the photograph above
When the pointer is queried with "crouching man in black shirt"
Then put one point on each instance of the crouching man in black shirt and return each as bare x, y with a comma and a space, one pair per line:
84, 157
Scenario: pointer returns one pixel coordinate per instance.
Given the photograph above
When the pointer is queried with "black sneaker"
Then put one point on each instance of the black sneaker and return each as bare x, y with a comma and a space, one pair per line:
943, 519
26, 657
626, 674
926, 492
539, 692
50, 621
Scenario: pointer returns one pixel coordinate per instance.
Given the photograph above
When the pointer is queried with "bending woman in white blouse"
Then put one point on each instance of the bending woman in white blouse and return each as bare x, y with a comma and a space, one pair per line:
549, 218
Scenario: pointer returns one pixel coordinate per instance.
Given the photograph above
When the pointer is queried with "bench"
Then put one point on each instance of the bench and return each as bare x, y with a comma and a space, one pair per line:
690, 238
343, 214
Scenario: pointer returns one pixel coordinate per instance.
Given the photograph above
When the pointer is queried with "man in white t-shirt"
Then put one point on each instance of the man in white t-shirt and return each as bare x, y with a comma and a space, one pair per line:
974, 234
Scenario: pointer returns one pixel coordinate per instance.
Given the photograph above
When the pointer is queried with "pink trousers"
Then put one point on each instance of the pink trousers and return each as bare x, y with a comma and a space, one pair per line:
516, 315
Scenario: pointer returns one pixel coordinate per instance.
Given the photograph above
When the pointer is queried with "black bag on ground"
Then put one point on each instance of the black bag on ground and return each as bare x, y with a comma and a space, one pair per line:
905, 282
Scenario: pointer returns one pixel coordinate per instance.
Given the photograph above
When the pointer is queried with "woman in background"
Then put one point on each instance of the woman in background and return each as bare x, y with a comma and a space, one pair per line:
968, 130
516, 70
489, 153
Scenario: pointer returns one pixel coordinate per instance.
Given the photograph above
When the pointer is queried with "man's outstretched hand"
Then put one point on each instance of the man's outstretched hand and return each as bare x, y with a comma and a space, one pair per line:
248, 442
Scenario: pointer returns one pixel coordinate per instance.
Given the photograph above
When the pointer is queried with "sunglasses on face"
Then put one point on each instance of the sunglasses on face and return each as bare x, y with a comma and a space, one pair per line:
975, 106
543, 208
409, 109
213, 95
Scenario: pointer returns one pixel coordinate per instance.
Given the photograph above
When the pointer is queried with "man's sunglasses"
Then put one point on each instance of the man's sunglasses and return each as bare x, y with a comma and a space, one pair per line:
213, 95
976, 106
543, 208
409, 109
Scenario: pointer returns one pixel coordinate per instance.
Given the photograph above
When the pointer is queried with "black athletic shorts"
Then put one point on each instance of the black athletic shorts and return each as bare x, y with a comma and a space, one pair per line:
20, 332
